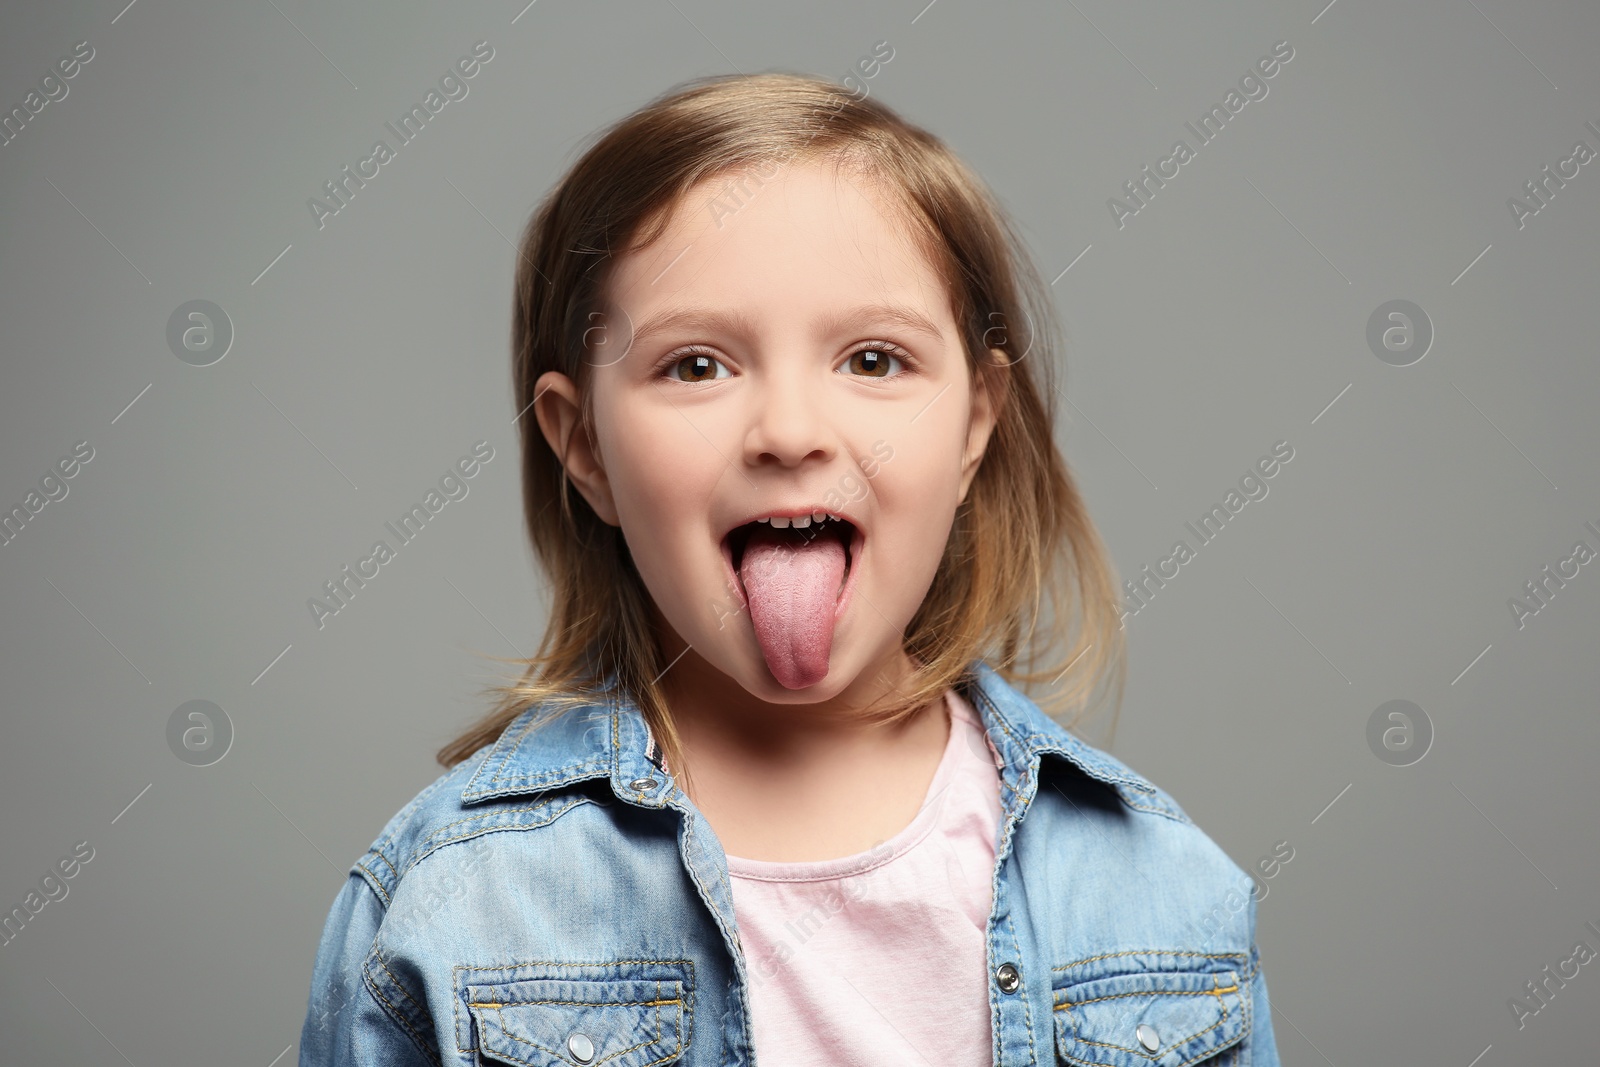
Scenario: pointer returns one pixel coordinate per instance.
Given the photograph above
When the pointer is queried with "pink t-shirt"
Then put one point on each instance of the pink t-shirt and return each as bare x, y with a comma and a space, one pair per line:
880, 958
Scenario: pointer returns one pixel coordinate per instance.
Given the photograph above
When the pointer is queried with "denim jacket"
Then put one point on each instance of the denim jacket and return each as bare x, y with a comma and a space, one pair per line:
555, 899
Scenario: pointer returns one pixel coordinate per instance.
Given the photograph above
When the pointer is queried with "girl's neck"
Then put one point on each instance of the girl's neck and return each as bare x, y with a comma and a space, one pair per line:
792, 782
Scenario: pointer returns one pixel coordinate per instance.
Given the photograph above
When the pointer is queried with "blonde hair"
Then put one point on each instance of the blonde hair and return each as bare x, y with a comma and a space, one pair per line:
1022, 534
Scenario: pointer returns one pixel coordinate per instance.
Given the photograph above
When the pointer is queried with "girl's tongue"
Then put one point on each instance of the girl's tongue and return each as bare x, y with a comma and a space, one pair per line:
792, 583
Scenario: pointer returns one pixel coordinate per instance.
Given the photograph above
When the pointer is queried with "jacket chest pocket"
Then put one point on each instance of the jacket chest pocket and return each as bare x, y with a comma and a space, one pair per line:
579, 1022
1162, 1018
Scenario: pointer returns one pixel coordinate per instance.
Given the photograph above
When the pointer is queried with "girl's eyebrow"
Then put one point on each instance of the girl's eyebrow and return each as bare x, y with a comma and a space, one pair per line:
730, 322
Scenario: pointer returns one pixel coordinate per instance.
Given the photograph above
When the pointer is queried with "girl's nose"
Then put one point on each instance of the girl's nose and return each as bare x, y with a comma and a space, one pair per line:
789, 420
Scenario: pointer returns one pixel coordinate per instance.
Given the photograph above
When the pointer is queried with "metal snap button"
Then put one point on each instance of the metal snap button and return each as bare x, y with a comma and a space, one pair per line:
581, 1047
1008, 977
642, 785
1148, 1037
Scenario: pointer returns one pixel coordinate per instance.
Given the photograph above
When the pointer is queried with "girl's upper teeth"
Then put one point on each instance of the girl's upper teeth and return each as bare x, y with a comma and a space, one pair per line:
800, 521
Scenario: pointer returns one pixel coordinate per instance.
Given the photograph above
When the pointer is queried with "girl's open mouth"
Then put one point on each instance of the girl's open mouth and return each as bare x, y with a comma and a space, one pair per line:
795, 582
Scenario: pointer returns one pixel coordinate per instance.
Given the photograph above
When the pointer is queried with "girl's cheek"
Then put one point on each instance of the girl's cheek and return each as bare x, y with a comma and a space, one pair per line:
656, 449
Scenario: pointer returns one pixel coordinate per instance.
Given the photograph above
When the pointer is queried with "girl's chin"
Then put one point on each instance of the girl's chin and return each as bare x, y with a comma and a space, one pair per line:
847, 665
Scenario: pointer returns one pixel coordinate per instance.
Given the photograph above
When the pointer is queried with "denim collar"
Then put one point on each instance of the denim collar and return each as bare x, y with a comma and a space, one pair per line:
610, 739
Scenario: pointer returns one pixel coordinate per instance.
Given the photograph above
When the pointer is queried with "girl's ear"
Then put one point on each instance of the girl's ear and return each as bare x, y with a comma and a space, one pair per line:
988, 399
558, 409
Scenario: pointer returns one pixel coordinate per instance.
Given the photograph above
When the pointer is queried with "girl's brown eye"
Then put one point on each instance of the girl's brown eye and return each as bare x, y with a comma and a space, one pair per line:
698, 364
874, 362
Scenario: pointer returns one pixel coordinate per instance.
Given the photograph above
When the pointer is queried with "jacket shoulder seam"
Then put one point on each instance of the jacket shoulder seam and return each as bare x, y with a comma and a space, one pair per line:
371, 878
390, 1009
433, 842
405, 816
412, 816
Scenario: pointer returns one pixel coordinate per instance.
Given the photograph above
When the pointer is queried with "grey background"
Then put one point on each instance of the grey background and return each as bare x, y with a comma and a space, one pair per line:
1229, 314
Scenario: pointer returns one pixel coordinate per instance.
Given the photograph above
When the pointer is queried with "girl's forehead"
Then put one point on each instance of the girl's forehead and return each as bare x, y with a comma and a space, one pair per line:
801, 232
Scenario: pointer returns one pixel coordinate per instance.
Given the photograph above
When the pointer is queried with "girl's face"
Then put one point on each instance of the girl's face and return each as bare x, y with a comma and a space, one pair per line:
793, 354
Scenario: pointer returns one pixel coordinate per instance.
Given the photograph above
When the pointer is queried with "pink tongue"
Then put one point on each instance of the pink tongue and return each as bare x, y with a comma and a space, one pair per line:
792, 586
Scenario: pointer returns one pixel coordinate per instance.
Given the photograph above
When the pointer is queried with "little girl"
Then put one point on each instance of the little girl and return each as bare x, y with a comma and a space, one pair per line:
766, 794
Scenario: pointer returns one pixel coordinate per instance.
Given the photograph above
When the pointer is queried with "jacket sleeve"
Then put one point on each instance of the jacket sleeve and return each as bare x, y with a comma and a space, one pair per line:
345, 1024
